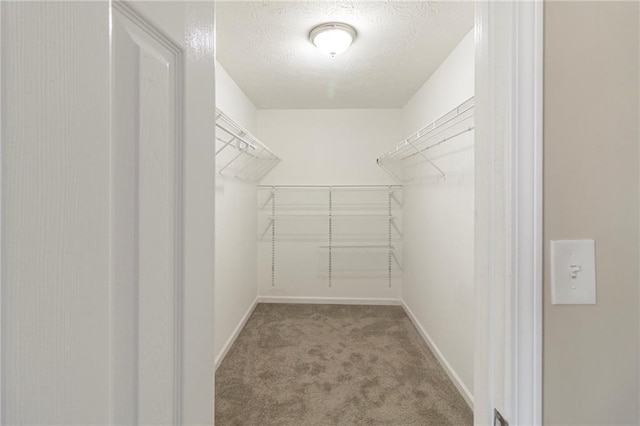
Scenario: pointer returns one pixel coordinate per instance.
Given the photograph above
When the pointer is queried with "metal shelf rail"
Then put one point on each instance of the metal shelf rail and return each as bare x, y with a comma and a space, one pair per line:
355, 226
412, 151
239, 154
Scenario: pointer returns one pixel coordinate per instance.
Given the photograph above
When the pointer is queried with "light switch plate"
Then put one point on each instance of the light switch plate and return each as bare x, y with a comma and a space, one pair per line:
573, 272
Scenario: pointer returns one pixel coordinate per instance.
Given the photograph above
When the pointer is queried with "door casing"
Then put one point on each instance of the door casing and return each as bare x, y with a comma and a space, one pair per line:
511, 163
508, 227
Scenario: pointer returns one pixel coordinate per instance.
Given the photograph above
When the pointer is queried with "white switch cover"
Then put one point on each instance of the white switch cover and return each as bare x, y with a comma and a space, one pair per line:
573, 272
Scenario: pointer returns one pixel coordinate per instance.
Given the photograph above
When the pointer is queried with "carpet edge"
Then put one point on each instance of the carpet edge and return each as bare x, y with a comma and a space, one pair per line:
453, 376
236, 332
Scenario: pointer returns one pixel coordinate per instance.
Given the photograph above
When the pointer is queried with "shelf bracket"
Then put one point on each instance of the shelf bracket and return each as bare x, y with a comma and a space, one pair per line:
395, 226
269, 198
226, 143
388, 170
269, 225
393, 196
420, 153
395, 257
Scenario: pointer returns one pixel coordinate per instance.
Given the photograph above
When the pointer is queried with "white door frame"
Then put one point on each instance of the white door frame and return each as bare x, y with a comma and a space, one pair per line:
508, 247
511, 163
2, 283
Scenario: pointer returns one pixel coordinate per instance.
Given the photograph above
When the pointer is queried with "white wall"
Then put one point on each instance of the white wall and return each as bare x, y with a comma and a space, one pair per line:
232, 101
324, 147
451, 84
329, 147
236, 228
438, 222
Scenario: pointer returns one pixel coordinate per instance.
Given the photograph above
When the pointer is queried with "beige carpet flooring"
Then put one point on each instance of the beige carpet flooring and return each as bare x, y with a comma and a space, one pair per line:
317, 365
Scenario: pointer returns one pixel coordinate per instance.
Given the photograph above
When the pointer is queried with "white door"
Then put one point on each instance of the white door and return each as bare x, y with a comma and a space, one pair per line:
107, 285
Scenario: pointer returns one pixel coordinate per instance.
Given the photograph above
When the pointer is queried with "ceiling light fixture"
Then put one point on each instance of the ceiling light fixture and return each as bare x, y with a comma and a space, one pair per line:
332, 38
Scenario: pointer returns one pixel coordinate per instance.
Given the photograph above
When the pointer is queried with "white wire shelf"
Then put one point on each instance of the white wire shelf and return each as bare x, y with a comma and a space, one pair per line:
239, 154
355, 230
351, 239
315, 198
317, 229
336, 216
350, 246
414, 149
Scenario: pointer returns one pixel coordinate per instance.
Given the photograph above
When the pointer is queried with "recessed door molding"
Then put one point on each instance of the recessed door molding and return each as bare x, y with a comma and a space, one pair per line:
147, 221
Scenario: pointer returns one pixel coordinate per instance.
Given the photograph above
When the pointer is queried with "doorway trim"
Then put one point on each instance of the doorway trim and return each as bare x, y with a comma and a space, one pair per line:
509, 240
2, 271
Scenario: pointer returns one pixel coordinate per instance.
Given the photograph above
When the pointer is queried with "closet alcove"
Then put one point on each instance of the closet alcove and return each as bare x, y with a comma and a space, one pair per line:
345, 181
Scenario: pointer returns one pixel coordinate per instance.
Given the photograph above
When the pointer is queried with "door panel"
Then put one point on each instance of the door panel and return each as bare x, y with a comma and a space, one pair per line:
146, 156
55, 186
107, 212
189, 25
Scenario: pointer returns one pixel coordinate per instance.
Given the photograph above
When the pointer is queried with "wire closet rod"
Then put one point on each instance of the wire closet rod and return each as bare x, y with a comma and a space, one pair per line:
246, 157
239, 133
432, 129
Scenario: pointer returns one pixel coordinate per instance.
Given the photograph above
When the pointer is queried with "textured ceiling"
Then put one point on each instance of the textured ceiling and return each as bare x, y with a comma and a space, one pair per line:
264, 47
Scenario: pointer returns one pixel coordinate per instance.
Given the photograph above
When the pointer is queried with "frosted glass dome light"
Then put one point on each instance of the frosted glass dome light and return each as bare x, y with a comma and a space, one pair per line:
332, 38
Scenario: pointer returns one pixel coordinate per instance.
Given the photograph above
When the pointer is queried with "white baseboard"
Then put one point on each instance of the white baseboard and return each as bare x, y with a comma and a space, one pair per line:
231, 340
328, 300
464, 391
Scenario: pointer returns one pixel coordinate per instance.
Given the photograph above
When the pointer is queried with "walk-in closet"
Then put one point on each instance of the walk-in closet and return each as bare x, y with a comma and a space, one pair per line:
344, 217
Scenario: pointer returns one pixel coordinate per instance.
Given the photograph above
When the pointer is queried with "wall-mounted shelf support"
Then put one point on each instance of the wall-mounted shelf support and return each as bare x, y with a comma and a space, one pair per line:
421, 154
395, 226
269, 225
395, 198
273, 237
395, 257
330, 236
269, 198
